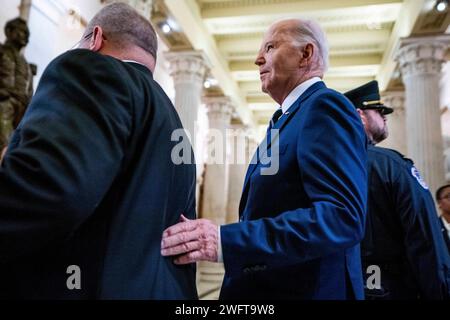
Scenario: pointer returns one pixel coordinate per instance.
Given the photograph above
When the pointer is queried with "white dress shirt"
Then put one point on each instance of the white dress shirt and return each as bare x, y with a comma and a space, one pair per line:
132, 61
287, 103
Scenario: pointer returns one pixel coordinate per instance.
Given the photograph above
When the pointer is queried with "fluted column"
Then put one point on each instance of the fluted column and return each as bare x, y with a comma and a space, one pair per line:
144, 7
447, 158
420, 61
188, 70
396, 121
238, 145
447, 165
215, 188
24, 9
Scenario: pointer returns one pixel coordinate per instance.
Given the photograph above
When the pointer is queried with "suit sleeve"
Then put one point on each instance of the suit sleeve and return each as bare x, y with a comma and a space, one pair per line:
425, 247
331, 154
65, 154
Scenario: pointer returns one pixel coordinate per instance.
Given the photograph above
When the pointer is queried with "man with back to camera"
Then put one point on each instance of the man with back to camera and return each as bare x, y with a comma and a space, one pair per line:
443, 200
88, 185
300, 227
402, 233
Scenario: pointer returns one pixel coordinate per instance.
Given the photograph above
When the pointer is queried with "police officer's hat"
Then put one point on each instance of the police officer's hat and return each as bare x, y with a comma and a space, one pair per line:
367, 96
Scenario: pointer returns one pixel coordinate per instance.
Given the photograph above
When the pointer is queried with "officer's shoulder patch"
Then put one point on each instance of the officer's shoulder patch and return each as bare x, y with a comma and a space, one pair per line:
416, 174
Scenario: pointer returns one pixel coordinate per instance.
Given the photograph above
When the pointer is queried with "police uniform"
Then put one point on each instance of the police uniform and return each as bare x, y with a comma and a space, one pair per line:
402, 235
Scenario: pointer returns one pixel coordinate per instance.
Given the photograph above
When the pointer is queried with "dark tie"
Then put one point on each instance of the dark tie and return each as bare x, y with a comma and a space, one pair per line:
275, 117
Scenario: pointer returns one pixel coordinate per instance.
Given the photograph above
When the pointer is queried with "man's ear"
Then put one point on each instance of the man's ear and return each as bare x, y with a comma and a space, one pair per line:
96, 42
307, 54
363, 116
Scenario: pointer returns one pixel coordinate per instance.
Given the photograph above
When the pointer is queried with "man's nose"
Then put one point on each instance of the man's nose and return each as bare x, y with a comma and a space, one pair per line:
259, 60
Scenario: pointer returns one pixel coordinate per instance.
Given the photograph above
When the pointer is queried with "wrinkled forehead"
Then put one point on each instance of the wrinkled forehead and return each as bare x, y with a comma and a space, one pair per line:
278, 31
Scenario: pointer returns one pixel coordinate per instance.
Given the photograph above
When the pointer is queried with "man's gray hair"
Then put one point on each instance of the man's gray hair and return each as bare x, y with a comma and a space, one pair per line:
309, 31
124, 26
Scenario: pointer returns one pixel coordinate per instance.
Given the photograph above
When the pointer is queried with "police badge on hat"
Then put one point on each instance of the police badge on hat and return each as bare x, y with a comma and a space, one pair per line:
416, 174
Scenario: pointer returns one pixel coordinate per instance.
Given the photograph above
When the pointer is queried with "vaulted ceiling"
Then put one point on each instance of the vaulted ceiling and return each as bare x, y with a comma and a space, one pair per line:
363, 35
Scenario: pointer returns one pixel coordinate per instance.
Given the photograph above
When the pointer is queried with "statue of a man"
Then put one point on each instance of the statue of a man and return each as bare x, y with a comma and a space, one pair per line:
16, 77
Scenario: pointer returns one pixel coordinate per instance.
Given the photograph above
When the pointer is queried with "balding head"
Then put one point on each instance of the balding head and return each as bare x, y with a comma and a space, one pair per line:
124, 31
305, 32
292, 52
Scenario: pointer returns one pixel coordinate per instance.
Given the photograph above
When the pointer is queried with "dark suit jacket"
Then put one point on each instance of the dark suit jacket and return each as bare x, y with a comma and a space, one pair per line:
300, 230
88, 181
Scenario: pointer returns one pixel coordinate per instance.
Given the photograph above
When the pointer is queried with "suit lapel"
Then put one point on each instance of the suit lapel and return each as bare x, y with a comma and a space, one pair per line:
279, 125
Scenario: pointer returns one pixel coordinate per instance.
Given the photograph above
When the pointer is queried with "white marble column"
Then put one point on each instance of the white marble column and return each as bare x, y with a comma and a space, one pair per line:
420, 61
447, 158
238, 145
216, 179
396, 121
144, 7
447, 165
24, 9
215, 188
188, 70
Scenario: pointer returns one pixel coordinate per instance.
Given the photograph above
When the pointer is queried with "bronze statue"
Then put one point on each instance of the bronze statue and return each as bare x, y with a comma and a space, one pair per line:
16, 78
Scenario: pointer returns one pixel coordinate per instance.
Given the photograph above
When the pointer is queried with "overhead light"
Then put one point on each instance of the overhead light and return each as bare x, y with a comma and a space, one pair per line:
166, 28
210, 82
441, 5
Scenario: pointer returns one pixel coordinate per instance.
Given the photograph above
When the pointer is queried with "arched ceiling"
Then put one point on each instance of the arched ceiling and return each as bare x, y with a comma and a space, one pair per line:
363, 35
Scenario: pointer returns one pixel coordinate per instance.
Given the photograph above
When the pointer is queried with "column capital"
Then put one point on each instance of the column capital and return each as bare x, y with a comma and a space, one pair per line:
219, 107
394, 100
144, 7
422, 55
188, 66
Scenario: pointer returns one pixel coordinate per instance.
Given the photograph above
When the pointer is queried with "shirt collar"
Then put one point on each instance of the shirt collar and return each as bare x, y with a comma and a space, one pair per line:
132, 61
297, 92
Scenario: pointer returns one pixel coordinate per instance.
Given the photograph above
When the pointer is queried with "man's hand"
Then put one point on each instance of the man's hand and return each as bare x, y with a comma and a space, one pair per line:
192, 240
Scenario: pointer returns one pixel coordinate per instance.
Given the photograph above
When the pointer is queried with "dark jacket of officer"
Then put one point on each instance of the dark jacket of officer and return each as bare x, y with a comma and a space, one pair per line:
402, 234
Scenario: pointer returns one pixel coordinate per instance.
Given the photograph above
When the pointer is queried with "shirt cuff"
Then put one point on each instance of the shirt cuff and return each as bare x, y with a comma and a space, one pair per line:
219, 247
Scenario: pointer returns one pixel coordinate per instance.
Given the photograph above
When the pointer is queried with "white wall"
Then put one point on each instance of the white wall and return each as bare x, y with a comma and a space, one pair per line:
9, 10
53, 30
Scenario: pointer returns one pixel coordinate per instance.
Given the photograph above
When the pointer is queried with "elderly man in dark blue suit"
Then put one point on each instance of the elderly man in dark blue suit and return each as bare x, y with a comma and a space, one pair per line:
88, 184
301, 225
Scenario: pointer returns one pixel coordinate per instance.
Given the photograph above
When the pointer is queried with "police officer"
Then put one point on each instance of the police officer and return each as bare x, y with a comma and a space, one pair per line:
402, 238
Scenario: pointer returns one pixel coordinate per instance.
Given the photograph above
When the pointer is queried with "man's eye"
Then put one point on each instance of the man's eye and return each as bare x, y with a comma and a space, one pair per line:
269, 47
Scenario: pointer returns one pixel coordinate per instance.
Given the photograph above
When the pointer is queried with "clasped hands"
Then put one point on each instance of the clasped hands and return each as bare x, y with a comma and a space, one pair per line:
191, 241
